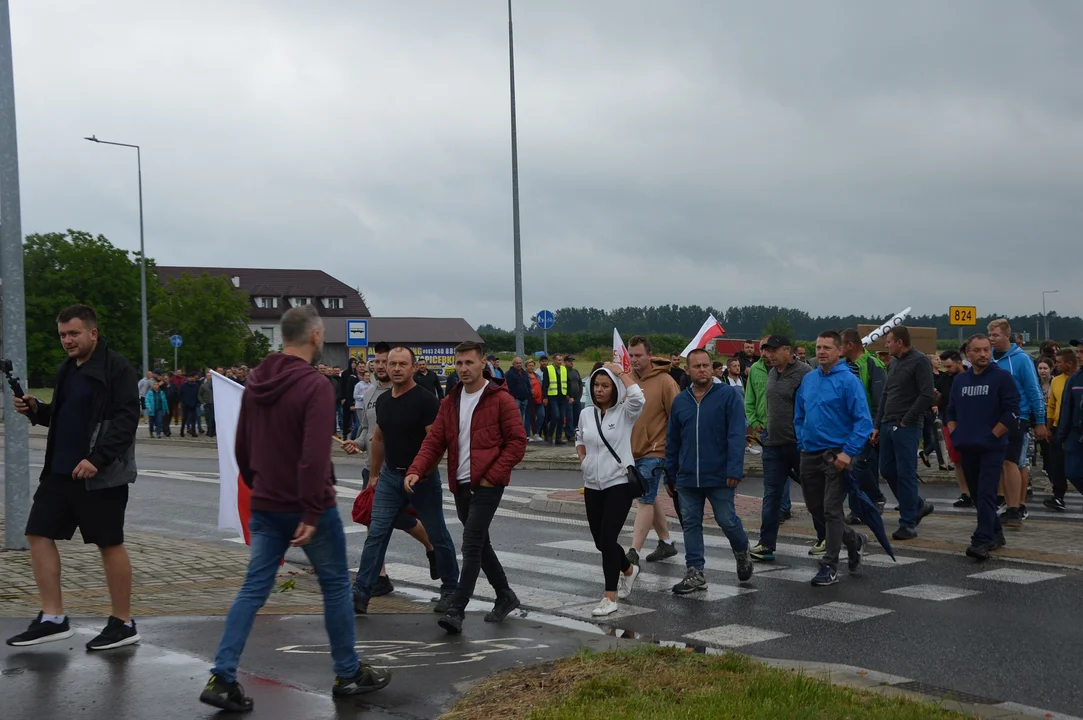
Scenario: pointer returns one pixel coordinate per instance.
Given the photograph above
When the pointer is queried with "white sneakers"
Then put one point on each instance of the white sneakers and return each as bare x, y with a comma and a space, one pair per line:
605, 607
624, 587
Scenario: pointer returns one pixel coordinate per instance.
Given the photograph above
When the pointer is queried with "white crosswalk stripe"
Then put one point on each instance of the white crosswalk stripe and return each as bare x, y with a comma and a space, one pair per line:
841, 612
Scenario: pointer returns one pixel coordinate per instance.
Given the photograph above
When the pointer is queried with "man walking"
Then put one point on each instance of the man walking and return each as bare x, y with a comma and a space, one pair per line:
283, 432
833, 425
756, 403
518, 384
575, 396
649, 446
89, 463
908, 393
480, 429
206, 399
189, 400
428, 379
984, 405
781, 458
404, 416
555, 394
705, 453
873, 376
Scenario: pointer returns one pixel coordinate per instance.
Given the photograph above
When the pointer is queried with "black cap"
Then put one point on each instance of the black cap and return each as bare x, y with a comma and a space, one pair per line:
569, 357
775, 341
1073, 343
492, 357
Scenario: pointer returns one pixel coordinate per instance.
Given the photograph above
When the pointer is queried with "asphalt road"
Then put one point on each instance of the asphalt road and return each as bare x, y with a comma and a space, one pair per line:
1005, 637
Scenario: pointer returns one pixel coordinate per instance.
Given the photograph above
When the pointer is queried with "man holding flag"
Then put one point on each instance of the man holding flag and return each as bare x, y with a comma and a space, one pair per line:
283, 433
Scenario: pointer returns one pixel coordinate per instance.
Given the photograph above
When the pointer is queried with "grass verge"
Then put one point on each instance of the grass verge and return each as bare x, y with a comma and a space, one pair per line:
43, 394
666, 683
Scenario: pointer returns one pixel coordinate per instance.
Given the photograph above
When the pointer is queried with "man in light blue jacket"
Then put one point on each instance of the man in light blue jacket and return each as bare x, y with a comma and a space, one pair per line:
705, 454
833, 425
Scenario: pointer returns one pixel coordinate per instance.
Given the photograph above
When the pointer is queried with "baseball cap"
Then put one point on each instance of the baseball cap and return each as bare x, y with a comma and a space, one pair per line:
492, 357
570, 357
1073, 343
775, 341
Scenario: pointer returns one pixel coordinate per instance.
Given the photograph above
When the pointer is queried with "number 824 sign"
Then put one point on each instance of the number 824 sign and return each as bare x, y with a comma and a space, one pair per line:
963, 315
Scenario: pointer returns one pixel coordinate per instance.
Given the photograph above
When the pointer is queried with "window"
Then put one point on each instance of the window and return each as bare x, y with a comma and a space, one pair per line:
268, 303
300, 301
334, 303
269, 332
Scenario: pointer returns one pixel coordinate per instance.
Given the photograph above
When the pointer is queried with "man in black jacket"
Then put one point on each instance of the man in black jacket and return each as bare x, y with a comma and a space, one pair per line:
428, 379
89, 462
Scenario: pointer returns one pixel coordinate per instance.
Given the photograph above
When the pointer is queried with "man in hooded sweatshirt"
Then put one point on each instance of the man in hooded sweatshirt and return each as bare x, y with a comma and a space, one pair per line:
283, 435
649, 446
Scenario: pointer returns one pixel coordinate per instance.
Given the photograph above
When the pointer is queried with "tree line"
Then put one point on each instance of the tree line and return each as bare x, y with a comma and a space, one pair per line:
754, 321
63, 269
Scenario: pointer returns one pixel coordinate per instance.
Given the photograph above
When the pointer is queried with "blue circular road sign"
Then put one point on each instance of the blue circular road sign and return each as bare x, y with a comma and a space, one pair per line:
176, 341
546, 320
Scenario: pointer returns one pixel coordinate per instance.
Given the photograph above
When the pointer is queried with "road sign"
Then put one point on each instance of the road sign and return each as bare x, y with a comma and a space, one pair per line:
176, 341
357, 333
963, 315
546, 319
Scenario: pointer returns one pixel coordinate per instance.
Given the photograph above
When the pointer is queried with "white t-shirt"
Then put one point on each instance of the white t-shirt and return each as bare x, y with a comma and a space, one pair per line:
467, 403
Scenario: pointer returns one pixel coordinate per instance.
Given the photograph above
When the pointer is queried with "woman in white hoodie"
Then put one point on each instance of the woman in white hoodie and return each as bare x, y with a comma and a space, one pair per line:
617, 402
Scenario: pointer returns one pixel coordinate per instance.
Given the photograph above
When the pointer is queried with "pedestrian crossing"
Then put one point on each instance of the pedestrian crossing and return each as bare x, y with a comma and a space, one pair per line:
1073, 503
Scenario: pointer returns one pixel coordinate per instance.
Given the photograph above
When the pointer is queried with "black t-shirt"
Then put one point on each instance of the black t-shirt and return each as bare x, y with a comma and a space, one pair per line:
402, 422
71, 422
943, 383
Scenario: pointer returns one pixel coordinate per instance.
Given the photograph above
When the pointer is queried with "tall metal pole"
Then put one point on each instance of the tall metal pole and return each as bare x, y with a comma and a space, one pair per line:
520, 348
1045, 318
16, 429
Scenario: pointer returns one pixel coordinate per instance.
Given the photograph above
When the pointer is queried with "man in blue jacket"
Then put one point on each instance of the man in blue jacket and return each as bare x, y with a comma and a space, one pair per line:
705, 453
1012, 358
518, 383
984, 406
833, 425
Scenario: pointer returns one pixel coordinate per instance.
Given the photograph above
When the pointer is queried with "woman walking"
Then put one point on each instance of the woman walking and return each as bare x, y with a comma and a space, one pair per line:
604, 445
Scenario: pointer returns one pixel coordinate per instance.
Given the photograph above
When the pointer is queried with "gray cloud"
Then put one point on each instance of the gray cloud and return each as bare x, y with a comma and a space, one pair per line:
695, 152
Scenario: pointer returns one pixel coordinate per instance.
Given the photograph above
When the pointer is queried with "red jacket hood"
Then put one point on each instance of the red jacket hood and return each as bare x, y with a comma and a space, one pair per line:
276, 374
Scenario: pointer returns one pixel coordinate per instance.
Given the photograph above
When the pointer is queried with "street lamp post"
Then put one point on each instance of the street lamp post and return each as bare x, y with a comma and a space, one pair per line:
519, 339
142, 248
1045, 318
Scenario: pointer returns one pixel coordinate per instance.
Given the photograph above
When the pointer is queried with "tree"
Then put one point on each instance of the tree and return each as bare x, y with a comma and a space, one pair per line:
778, 325
64, 269
209, 314
256, 347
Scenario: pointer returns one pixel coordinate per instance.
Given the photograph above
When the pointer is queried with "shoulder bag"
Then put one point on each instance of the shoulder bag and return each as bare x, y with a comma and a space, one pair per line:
635, 478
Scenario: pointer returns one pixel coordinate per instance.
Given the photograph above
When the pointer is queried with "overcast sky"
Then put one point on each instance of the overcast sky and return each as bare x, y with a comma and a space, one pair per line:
835, 156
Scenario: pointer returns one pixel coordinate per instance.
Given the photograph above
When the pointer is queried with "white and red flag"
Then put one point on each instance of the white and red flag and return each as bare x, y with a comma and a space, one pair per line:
234, 504
620, 352
711, 329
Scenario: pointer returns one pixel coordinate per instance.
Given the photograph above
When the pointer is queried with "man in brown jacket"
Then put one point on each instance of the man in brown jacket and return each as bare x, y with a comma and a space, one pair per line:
649, 445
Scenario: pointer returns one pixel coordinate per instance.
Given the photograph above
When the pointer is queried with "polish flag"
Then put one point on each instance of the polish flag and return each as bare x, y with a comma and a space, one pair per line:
711, 329
233, 495
620, 352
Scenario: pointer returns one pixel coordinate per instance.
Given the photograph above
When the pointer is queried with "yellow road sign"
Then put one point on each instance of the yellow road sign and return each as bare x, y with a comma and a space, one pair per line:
963, 315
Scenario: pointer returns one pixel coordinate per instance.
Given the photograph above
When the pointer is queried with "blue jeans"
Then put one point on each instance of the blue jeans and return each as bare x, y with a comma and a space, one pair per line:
867, 473
556, 410
271, 535
575, 407
524, 412
778, 462
899, 466
651, 470
725, 515
786, 506
982, 468
155, 422
539, 419
391, 499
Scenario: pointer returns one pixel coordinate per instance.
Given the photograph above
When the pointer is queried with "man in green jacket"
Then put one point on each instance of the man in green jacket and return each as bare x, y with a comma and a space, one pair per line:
756, 414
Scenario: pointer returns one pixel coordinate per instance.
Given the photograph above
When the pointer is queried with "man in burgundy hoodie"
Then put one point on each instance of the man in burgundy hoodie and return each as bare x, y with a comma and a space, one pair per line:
480, 428
283, 454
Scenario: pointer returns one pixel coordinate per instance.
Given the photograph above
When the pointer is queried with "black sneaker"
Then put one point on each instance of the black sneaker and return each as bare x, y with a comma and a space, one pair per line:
116, 634
444, 603
368, 679
226, 696
924, 511
505, 603
786, 515
826, 576
1011, 518
633, 556
880, 505
853, 555
1001, 502
853, 519
925, 459
360, 607
693, 581
964, 501
663, 551
452, 623
744, 564
1023, 513
1001, 540
1030, 492
904, 533
978, 551
434, 573
42, 632
382, 587
1054, 503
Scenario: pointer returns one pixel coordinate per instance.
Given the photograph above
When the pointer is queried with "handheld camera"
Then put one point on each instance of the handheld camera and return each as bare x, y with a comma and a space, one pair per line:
7, 368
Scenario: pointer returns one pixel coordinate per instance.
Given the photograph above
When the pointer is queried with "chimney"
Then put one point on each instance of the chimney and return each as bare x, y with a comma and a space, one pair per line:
236, 281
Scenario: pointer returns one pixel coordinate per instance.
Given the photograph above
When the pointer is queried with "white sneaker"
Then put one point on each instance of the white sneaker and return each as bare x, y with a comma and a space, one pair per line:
624, 588
753, 450
605, 607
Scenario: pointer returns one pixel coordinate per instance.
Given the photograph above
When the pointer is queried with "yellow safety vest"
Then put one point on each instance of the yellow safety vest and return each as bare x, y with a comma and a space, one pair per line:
558, 387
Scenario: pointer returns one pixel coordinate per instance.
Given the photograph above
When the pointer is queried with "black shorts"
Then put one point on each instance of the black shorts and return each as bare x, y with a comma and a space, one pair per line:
1016, 437
62, 504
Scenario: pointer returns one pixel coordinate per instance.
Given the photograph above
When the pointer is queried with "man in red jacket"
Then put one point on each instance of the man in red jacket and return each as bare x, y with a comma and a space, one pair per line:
480, 428
283, 437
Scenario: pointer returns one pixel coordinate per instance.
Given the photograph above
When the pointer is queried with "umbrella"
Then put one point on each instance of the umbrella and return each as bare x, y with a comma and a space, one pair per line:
865, 508
671, 488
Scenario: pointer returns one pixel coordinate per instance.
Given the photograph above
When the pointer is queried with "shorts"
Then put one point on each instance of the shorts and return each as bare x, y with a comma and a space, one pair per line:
651, 470
1017, 444
954, 455
1024, 455
62, 504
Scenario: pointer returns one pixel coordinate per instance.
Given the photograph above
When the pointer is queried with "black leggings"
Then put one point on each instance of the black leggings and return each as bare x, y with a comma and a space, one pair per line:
606, 512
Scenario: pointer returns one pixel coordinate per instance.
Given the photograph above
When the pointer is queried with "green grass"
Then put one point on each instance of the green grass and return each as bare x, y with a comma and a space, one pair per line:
666, 683
43, 394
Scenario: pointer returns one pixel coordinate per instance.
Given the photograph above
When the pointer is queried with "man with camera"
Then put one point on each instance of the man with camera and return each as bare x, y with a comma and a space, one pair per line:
89, 463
